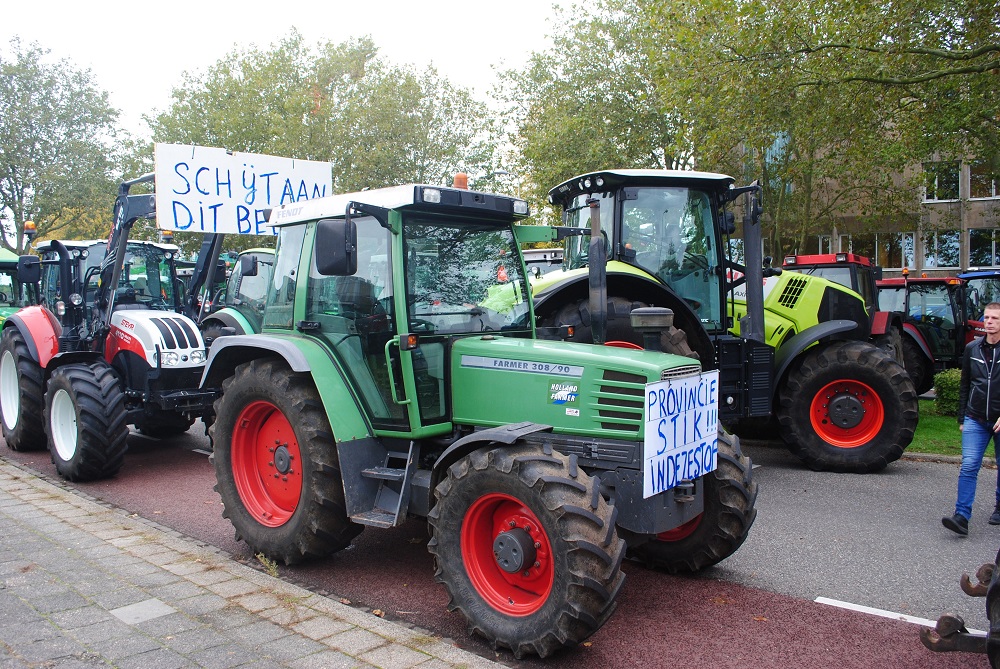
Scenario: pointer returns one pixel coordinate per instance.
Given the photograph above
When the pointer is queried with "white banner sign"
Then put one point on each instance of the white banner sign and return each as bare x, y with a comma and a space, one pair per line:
204, 189
682, 431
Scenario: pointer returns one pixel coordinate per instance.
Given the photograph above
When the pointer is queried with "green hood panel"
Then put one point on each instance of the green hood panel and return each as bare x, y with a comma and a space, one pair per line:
576, 388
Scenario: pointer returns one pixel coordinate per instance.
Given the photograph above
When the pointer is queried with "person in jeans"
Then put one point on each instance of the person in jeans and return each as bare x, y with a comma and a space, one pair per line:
978, 417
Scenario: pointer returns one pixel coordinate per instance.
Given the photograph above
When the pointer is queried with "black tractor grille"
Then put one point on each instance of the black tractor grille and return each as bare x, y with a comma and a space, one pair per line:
624, 395
792, 292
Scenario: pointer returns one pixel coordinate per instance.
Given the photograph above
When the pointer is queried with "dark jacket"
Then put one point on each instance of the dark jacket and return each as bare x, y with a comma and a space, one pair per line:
979, 391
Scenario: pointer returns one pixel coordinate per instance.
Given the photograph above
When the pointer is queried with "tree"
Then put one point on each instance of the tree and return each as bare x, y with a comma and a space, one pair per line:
587, 102
56, 130
378, 124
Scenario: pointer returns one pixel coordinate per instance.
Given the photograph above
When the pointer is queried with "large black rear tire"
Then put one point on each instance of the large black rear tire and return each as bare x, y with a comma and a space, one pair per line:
22, 394
526, 547
847, 407
85, 416
717, 533
276, 465
619, 326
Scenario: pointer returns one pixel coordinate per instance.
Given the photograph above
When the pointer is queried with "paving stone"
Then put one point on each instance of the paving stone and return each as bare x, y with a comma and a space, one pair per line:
355, 641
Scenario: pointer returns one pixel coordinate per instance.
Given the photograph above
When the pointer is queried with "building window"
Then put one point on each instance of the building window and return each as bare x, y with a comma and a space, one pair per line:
941, 249
861, 244
941, 180
895, 250
984, 248
983, 180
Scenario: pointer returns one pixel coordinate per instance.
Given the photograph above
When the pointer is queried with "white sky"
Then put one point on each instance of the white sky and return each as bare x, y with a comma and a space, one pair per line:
138, 51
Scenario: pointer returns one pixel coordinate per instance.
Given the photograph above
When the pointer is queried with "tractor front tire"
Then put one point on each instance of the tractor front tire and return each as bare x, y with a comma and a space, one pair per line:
918, 366
715, 534
526, 547
85, 415
619, 326
276, 464
22, 394
847, 407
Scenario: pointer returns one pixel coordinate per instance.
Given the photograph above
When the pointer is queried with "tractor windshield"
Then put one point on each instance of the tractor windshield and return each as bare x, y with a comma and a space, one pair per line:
666, 231
980, 292
147, 278
463, 278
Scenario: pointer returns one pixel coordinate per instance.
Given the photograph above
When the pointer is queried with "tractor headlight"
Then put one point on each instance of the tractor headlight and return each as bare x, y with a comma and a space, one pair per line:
432, 195
60, 308
76, 299
170, 358
198, 356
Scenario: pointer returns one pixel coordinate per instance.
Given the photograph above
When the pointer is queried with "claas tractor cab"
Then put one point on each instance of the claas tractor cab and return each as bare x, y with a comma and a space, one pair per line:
857, 273
106, 347
399, 374
786, 345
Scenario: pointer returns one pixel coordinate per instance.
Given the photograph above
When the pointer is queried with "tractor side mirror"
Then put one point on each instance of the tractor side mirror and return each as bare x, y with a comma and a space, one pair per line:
728, 223
29, 269
248, 265
337, 247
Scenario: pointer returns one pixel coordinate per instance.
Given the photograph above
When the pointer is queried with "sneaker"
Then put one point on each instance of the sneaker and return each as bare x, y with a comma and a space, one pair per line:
995, 518
957, 524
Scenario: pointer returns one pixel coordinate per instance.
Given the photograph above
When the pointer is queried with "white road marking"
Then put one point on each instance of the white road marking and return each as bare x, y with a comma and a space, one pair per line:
881, 613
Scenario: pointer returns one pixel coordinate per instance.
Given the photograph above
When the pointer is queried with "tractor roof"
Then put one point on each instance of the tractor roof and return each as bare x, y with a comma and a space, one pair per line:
420, 197
607, 180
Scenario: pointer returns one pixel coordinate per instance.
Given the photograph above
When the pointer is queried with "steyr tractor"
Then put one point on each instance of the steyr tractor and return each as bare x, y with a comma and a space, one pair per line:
105, 348
842, 404
942, 315
399, 373
857, 273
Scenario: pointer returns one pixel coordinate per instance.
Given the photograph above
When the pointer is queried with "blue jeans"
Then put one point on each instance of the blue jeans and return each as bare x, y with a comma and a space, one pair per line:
975, 438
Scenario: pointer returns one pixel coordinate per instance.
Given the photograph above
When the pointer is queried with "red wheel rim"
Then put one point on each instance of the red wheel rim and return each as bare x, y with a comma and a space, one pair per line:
518, 594
266, 464
623, 344
681, 532
863, 427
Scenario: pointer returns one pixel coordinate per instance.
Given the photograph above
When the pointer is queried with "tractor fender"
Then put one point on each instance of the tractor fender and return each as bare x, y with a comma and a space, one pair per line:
505, 434
913, 333
227, 353
41, 331
302, 355
885, 321
796, 344
228, 318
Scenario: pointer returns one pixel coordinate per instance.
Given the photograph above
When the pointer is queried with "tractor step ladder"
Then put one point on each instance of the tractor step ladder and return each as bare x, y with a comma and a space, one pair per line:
392, 495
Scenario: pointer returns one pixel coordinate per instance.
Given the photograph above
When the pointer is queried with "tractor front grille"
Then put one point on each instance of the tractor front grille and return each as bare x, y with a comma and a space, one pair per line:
620, 399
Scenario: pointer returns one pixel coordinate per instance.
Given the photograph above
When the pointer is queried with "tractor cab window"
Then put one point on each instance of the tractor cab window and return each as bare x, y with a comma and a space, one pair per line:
281, 287
354, 315
146, 279
463, 278
979, 293
670, 232
931, 311
577, 249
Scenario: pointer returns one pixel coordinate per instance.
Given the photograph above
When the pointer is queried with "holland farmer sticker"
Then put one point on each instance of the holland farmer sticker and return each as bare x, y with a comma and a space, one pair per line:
563, 393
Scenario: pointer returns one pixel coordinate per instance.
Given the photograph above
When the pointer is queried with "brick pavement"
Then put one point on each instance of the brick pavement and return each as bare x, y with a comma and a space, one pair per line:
83, 584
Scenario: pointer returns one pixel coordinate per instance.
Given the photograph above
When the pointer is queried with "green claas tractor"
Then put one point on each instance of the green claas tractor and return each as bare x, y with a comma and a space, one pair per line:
841, 403
399, 374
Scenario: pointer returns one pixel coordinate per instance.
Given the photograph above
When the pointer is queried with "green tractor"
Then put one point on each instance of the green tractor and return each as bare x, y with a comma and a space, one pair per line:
399, 374
14, 294
841, 403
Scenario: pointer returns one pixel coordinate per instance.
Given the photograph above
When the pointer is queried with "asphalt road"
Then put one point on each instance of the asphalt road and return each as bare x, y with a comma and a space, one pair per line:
874, 541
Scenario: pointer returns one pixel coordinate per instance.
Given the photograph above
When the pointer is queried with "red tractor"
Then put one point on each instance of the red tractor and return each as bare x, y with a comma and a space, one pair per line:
942, 315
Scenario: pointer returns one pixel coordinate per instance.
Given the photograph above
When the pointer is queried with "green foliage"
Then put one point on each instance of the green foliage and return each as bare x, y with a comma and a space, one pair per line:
935, 433
56, 133
946, 386
376, 123
823, 101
